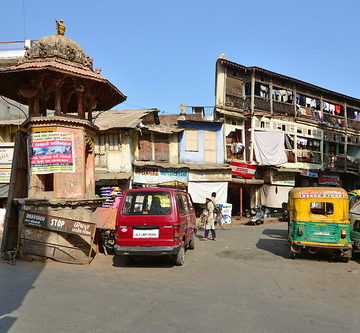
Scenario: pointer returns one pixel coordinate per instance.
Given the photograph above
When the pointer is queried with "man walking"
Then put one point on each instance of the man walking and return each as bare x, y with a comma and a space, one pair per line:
210, 220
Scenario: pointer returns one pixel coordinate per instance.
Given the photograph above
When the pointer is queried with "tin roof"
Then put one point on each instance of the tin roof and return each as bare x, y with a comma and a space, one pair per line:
120, 118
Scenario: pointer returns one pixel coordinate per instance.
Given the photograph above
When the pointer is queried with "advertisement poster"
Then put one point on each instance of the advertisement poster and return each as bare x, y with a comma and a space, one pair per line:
242, 169
161, 176
51, 152
5, 176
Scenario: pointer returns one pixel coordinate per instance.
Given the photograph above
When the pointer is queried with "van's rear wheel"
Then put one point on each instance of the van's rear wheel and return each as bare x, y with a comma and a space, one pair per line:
180, 257
192, 243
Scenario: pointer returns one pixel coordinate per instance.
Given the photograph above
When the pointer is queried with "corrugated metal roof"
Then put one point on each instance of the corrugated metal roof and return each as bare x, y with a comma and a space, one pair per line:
120, 118
165, 129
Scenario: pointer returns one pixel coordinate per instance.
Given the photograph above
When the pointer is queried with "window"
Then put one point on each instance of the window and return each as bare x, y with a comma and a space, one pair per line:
210, 144
147, 203
180, 203
191, 140
322, 208
262, 90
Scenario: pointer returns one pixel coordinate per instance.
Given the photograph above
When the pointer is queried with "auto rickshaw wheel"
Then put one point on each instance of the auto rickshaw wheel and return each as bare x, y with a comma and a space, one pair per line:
292, 255
346, 256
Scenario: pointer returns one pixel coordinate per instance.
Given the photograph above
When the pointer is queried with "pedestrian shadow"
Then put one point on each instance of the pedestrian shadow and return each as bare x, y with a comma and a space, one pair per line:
143, 262
277, 244
15, 283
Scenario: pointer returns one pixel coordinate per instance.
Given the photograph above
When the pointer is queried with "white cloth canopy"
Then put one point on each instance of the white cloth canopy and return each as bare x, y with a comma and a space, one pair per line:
269, 148
199, 191
274, 195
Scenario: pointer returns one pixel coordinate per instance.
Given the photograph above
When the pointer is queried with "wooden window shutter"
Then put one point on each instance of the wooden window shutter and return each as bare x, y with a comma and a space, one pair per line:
145, 147
191, 140
210, 145
161, 143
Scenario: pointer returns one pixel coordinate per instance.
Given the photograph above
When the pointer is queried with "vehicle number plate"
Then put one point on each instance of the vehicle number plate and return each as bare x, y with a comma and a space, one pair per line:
322, 233
151, 233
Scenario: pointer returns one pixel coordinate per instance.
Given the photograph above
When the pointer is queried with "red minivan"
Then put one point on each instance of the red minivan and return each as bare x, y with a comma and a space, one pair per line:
155, 221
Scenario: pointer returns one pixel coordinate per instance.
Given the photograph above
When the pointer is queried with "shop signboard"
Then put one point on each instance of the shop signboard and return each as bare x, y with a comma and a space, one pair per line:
61, 224
282, 178
51, 152
310, 174
145, 175
242, 169
325, 179
6, 155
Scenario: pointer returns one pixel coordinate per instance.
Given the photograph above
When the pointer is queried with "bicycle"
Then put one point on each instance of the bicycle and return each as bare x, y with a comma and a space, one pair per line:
224, 221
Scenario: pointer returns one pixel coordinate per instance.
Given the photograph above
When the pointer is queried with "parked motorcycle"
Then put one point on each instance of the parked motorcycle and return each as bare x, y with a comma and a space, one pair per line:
107, 240
257, 215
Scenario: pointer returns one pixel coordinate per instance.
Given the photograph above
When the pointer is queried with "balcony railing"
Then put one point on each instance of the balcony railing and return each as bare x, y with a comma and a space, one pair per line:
234, 101
353, 164
355, 124
262, 104
308, 156
282, 108
334, 162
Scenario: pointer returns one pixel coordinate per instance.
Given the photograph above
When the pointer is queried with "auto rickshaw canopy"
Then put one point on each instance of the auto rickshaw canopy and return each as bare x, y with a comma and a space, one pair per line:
319, 204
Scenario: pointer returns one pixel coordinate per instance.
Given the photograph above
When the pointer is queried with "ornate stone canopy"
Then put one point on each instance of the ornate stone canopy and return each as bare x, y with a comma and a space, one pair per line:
57, 74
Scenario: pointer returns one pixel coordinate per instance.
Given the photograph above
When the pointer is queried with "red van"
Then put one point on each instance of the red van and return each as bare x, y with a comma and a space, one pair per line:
155, 221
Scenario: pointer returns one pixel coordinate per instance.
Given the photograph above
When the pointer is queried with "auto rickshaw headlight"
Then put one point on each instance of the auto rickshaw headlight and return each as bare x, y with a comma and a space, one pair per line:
301, 231
343, 233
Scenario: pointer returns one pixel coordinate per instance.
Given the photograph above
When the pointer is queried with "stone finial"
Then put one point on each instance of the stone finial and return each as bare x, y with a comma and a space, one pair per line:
222, 56
60, 27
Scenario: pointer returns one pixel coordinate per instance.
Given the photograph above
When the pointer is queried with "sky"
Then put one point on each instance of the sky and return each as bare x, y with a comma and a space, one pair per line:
162, 53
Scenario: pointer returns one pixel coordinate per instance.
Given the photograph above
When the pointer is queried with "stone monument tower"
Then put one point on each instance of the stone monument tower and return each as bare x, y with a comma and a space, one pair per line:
57, 81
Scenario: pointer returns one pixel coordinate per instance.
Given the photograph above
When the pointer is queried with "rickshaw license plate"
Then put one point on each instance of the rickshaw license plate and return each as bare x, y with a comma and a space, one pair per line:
322, 233
151, 233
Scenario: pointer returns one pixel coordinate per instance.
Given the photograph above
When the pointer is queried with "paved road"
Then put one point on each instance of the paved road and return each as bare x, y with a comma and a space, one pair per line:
241, 283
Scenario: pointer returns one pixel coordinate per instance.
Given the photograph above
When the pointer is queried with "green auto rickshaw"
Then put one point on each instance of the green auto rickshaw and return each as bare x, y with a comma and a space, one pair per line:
319, 220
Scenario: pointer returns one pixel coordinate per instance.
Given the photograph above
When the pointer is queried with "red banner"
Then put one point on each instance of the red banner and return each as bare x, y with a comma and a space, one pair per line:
242, 169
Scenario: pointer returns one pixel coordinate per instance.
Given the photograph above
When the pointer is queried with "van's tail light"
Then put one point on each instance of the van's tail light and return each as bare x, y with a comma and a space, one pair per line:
116, 235
343, 233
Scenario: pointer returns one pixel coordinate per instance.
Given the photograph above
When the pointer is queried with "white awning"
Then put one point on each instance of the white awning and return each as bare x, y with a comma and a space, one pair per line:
199, 191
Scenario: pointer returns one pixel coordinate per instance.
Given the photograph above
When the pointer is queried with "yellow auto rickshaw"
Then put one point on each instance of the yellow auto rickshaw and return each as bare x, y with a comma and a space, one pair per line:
318, 220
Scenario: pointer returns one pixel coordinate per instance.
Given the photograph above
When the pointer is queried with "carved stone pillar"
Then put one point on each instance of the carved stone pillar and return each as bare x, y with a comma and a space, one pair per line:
58, 84
80, 103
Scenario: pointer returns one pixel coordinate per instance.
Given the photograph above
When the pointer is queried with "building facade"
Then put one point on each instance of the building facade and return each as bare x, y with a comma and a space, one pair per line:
281, 132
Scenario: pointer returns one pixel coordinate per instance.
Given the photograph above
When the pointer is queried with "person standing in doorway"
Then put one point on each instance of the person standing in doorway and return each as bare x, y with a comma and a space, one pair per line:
210, 221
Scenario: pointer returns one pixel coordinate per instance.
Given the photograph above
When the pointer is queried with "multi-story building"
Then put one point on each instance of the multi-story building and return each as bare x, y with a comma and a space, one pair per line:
281, 132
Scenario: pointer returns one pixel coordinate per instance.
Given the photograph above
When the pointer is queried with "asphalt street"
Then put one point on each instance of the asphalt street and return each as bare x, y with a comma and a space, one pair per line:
243, 282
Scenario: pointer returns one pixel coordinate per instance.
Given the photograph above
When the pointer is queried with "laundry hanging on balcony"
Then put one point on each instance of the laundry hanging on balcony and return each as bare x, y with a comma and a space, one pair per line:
269, 148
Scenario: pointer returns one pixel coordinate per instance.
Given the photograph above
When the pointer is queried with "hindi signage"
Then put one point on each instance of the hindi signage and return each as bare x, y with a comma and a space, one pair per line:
325, 179
242, 169
146, 175
282, 178
51, 152
61, 224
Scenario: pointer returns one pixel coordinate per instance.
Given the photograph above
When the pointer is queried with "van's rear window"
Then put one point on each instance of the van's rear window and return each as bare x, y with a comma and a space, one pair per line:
147, 203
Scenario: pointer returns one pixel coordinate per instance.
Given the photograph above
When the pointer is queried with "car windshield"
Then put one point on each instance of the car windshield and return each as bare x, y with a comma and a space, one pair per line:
147, 203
